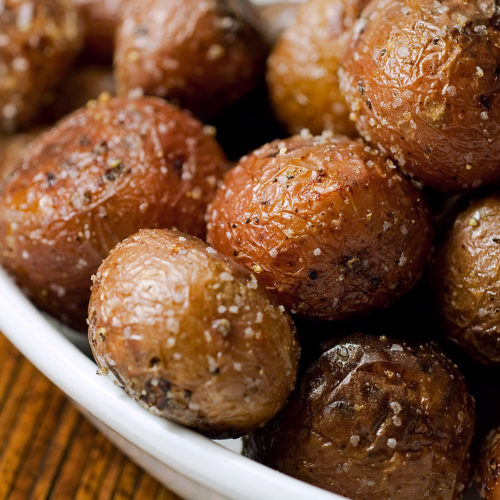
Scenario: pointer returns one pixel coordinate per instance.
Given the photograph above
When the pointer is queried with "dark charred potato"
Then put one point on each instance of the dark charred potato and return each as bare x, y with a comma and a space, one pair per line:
325, 223
302, 69
467, 280
101, 19
80, 86
38, 40
375, 419
12, 149
488, 467
203, 56
100, 175
191, 335
422, 81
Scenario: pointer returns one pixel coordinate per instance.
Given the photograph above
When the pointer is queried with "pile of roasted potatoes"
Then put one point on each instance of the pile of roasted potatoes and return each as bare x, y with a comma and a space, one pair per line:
333, 295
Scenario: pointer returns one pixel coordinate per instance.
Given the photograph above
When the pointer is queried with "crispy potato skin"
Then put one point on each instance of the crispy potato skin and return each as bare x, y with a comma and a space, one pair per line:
80, 86
100, 175
374, 419
422, 81
191, 335
325, 223
487, 471
38, 42
202, 55
101, 18
466, 279
302, 69
12, 149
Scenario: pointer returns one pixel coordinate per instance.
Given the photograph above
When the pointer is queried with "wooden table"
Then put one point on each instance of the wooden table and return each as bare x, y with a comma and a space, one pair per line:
48, 450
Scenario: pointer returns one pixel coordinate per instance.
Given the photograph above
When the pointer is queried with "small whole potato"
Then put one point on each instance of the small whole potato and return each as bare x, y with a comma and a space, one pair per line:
202, 55
375, 419
466, 279
101, 174
191, 335
488, 467
38, 41
326, 224
421, 79
302, 69
101, 18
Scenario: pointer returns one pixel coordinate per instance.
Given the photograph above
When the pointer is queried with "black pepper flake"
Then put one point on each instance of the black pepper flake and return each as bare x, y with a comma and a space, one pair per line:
496, 240
247, 221
383, 52
265, 203
51, 179
313, 274
369, 104
87, 196
275, 180
361, 87
256, 220
154, 361
101, 148
233, 225
485, 101
85, 141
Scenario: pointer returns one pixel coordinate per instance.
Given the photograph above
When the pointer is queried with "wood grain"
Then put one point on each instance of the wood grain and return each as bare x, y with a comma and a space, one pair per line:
49, 451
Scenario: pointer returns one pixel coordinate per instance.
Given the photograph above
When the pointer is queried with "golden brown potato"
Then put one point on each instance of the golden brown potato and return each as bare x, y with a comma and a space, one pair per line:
203, 56
466, 278
488, 467
421, 78
326, 223
38, 40
302, 69
375, 419
12, 149
101, 18
80, 86
100, 175
191, 335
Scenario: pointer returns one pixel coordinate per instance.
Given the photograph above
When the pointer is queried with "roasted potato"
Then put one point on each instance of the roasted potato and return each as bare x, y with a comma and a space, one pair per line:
191, 335
101, 18
203, 56
466, 278
326, 224
421, 79
12, 149
100, 175
488, 467
80, 86
375, 419
302, 69
38, 40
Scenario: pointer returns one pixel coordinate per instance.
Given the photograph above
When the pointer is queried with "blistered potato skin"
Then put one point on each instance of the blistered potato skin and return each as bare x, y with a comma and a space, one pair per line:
101, 18
203, 56
374, 419
100, 175
466, 279
191, 335
302, 69
38, 40
325, 223
421, 79
488, 467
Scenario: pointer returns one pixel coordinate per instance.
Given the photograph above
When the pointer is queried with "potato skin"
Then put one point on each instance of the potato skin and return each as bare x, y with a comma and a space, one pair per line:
302, 69
487, 471
421, 79
325, 223
203, 56
374, 418
466, 280
191, 335
38, 40
98, 176
101, 18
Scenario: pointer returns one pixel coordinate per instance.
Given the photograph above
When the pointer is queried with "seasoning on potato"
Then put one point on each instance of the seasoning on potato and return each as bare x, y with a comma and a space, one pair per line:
100, 175
375, 419
302, 69
421, 79
466, 278
191, 335
488, 467
326, 223
202, 55
38, 41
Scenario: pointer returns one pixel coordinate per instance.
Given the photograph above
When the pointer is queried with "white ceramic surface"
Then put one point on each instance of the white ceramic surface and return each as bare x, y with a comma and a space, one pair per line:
192, 466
